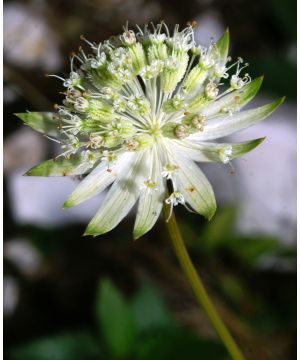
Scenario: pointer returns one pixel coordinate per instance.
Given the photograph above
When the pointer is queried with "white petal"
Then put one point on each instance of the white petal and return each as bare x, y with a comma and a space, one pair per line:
121, 197
98, 180
193, 184
225, 125
151, 200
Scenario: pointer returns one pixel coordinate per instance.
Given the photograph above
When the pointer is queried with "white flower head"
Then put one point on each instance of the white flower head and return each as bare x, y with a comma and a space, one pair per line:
139, 111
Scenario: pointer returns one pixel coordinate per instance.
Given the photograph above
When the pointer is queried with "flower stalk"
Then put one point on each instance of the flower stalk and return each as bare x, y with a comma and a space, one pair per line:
198, 288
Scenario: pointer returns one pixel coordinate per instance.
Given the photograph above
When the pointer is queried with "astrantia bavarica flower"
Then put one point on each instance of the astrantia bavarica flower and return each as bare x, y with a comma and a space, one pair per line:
138, 112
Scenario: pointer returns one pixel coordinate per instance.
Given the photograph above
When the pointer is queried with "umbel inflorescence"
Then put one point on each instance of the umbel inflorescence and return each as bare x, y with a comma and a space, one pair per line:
138, 112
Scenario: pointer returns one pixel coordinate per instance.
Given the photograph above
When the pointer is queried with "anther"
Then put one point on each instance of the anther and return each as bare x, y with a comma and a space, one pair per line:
181, 131
193, 24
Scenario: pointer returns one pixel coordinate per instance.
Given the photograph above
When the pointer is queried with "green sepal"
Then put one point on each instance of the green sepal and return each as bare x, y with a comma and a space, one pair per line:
168, 130
198, 102
111, 142
137, 54
173, 105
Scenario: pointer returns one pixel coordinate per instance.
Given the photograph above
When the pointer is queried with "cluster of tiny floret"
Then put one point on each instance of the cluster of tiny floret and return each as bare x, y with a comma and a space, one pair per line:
139, 87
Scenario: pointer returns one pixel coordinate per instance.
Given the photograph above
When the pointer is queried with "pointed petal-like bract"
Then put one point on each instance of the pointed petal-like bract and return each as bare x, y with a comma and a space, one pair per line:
43, 122
242, 148
223, 46
151, 199
75, 165
98, 180
239, 98
194, 186
214, 152
226, 125
120, 199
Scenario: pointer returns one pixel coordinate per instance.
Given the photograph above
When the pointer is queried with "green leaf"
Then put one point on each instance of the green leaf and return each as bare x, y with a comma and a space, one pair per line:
251, 250
226, 125
115, 319
70, 346
233, 289
178, 345
218, 232
75, 165
44, 122
150, 310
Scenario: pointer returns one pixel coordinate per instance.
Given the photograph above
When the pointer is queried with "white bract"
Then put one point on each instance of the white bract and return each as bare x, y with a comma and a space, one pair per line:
138, 113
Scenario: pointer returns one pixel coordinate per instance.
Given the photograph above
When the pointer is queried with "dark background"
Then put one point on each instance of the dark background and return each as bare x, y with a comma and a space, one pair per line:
67, 296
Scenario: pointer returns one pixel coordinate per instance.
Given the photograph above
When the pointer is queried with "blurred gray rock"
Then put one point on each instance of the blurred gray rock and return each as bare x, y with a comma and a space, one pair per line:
24, 147
39, 200
28, 41
264, 183
10, 295
209, 27
23, 256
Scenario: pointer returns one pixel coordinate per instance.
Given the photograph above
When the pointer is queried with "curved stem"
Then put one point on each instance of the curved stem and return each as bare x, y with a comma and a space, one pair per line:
197, 286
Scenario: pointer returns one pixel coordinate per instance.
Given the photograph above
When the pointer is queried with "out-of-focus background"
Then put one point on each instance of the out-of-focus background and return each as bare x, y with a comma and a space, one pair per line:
67, 297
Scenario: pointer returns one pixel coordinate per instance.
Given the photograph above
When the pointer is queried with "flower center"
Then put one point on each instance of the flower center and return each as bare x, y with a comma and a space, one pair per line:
154, 130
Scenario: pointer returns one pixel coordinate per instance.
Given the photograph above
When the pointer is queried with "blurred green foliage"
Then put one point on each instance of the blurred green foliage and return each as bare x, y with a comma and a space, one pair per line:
141, 328
68, 346
279, 65
286, 13
116, 320
247, 263
280, 74
220, 235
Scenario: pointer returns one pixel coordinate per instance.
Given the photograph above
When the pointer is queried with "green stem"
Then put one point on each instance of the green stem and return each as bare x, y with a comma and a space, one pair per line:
196, 284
